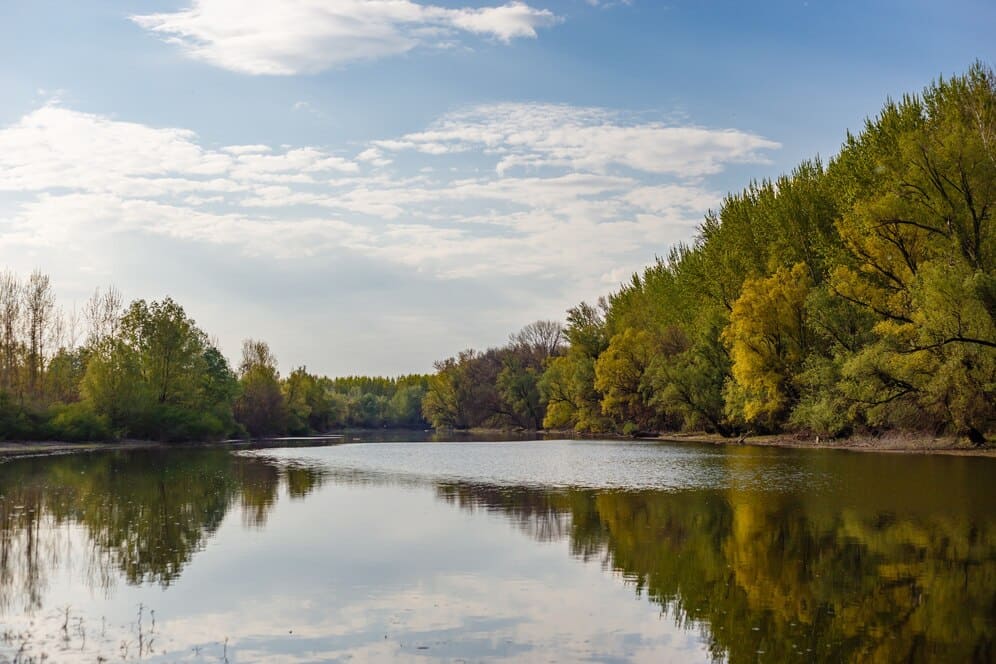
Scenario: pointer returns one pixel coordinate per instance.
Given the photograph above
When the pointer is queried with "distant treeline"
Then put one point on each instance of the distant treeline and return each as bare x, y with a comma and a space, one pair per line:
855, 296
860, 295
147, 371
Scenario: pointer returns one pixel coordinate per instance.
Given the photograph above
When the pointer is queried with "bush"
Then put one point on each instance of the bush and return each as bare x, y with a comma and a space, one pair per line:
173, 423
16, 423
78, 422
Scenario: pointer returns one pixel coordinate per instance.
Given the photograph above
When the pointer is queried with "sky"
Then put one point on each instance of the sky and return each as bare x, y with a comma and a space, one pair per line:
374, 185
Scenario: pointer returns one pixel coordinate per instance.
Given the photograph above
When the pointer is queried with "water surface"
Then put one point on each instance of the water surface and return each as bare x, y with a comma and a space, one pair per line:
471, 551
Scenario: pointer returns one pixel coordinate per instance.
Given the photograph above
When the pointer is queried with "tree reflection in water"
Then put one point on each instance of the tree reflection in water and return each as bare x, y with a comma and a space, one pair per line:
891, 573
145, 514
873, 568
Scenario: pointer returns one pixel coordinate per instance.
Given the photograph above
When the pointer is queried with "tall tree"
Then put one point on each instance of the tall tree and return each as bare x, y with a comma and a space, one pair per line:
260, 407
38, 304
10, 327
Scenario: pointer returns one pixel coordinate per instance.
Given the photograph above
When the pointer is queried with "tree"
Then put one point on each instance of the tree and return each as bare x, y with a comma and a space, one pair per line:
170, 347
260, 407
619, 376
542, 339
518, 387
568, 388
10, 323
688, 384
38, 305
405, 406
102, 314
920, 187
297, 391
767, 339
158, 376
114, 386
568, 383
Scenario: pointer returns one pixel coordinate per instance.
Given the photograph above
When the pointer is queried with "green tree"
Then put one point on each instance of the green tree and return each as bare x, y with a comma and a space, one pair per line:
919, 185
688, 385
260, 407
619, 377
159, 377
170, 349
113, 384
518, 387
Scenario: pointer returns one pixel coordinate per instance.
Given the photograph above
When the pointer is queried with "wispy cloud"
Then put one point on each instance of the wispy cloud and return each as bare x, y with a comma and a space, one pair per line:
543, 135
307, 36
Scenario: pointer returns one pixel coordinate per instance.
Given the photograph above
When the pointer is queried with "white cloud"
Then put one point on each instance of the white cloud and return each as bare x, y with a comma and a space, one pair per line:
374, 156
306, 36
592, 177
52, 220
542, 135
55, 147
58, 148
512, 20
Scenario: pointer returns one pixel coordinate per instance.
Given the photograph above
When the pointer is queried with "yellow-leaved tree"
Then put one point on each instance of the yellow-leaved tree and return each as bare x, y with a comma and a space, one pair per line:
767, 340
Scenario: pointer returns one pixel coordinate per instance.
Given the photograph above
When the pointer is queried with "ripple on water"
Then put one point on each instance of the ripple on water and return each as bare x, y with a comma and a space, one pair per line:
626, 465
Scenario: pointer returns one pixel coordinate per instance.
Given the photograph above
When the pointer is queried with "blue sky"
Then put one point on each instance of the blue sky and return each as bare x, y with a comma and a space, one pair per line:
371, 185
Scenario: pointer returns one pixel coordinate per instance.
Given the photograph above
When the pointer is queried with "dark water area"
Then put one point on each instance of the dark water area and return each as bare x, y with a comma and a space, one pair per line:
518, 550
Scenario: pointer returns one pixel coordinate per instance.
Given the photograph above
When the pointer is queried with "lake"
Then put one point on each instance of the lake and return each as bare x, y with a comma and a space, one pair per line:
608, 551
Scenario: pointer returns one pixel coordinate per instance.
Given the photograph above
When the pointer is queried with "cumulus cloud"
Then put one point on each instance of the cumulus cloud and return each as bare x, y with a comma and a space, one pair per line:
307, 36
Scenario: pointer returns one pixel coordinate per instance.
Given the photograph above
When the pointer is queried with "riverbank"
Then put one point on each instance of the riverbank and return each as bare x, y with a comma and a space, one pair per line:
893, 443
52, 448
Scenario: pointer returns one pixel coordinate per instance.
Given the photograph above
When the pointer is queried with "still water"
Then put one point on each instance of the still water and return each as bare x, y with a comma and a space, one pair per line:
524, 551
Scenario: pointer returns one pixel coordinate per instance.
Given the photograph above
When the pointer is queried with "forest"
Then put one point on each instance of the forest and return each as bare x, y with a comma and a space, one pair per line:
853, 296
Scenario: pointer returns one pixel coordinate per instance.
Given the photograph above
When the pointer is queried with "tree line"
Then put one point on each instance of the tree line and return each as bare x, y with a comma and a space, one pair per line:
857, 295
108, 371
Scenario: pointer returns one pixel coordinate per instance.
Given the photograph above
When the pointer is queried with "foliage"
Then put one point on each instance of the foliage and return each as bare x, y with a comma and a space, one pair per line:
260, 407
497, 388
158, 377
767, 338
860, 295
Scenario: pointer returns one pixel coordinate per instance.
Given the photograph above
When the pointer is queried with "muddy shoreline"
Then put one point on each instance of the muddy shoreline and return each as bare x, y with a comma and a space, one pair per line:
891, 443
10, 450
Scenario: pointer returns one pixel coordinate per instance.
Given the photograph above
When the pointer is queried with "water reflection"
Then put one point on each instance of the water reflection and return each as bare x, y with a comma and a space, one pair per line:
145, 514
894, 572
880, 559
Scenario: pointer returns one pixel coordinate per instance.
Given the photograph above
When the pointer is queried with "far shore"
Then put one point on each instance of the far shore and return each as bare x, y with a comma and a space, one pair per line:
891, 443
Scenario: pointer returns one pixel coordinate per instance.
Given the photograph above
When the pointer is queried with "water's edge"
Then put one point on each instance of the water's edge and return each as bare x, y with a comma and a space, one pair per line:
888, 444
